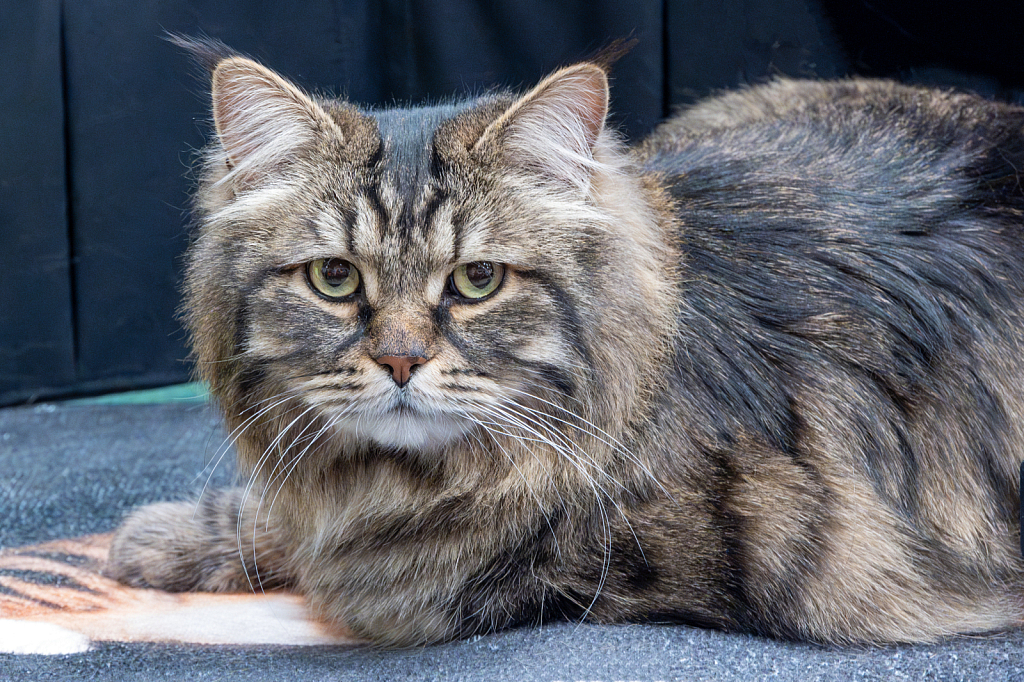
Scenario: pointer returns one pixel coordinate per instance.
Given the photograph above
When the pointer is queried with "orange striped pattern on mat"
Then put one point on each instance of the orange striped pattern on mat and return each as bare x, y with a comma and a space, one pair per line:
54, 598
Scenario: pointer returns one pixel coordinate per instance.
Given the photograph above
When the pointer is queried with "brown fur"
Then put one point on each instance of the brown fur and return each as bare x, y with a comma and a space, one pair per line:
761, 372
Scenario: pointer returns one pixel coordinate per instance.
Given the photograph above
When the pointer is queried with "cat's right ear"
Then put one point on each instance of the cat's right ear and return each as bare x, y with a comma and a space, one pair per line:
262, 120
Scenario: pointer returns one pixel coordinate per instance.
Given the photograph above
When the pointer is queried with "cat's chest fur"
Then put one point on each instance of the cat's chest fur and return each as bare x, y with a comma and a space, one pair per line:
487, 366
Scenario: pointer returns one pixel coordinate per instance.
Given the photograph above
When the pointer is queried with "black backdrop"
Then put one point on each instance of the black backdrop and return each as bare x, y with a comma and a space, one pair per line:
99, 118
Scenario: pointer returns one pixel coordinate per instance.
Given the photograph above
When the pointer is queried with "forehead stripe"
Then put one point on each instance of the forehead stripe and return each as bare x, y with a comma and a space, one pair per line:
458, 226
433, 204
372, 195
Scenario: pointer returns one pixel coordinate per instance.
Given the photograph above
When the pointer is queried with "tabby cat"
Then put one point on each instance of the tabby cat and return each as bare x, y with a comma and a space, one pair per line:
486, 366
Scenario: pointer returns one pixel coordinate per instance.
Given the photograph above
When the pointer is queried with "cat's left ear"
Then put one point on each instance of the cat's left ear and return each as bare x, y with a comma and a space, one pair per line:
552, 130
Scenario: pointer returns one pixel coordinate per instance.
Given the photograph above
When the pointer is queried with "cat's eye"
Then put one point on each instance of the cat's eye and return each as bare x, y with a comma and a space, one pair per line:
333, 278
477, 280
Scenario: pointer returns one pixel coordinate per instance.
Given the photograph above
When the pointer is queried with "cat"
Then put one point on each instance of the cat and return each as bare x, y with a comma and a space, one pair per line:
485, 365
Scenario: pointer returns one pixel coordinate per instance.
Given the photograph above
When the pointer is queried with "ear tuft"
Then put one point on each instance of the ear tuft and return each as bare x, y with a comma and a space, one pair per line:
552, 129
205, 51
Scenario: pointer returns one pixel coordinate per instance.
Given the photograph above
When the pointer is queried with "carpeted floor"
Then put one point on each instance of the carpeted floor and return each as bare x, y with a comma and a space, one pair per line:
75, 468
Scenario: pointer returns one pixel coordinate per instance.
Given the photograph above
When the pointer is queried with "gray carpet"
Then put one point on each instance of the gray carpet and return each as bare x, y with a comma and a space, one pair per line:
68, 470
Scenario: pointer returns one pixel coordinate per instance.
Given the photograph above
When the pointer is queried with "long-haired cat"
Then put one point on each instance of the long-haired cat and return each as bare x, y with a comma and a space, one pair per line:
485, 366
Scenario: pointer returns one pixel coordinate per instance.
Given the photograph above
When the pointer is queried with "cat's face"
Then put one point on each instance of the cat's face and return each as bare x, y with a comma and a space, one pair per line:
412, 277
438, 275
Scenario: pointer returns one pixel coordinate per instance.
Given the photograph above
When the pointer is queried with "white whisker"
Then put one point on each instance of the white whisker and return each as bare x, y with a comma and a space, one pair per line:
231, 439
526, 482
598, 434
326, 428
268, 453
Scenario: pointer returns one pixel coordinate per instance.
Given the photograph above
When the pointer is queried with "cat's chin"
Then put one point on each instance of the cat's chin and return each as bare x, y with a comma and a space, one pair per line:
405, 429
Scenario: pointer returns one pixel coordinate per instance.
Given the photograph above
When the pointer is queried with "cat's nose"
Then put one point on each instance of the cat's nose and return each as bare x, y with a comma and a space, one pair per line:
401, 366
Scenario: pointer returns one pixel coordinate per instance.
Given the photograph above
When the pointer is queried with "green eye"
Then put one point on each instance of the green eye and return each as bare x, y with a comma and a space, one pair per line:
332, 278
478, 280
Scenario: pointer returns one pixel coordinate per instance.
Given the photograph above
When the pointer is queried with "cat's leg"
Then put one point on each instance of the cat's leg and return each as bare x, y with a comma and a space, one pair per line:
214, 545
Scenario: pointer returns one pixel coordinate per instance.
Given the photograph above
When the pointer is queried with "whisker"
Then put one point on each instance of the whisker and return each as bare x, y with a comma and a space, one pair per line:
598, 434
268, 453
253, 477
533, 493
229, 442
601, 470
295, 463
561, 449
600, 495
571, 453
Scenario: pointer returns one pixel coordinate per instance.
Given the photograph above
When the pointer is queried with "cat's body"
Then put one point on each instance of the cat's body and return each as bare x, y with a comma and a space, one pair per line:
762, 372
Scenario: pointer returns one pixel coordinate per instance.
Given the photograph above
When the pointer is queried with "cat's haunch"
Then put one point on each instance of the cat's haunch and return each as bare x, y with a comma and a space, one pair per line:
487, 366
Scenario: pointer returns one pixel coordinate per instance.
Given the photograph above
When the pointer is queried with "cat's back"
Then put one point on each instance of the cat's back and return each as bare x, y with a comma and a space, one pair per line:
872, 166
864, 106
858, 139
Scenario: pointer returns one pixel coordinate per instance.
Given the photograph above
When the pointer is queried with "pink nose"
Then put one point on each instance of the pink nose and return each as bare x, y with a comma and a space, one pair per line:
401, 366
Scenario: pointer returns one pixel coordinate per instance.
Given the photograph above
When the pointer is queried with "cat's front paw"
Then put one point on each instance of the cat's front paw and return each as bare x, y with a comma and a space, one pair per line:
177, 547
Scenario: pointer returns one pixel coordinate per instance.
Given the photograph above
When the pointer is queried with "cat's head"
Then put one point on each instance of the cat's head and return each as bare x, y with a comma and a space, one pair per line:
425, 277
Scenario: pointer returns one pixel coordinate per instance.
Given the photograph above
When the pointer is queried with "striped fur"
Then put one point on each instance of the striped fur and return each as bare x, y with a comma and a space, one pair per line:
761, 372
